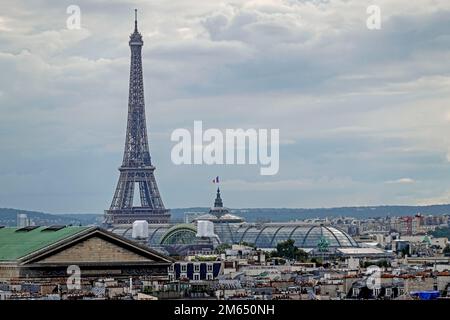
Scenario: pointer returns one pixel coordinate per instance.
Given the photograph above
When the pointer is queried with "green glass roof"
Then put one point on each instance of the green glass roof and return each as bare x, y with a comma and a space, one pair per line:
16, 244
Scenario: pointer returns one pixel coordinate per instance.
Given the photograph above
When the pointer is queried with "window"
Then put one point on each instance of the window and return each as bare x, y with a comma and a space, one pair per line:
196, 276
388, 292
171, 268
183, 276
209, 276
171, 277
376, 292
196, 267
209, 267
183, 268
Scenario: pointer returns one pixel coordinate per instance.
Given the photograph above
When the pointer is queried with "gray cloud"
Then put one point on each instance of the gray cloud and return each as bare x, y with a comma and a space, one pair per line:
357, 107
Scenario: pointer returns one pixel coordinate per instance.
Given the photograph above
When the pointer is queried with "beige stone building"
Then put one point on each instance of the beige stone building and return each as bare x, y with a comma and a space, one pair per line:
55, 253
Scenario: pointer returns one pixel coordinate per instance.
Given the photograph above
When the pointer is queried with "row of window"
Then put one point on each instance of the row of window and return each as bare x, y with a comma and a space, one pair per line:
196, 277
376, 292
209, 267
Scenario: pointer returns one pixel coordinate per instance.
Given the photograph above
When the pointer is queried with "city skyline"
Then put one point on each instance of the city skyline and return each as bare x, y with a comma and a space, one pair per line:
362, 113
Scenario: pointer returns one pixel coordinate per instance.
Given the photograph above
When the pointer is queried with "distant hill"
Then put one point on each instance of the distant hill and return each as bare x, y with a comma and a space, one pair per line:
8, 217
285, 214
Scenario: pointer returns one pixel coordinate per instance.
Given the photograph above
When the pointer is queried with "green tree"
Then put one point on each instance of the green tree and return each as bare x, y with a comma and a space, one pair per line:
222, 247
301, 255
272, 254
442, 232
317, 261
380, 263
288, 250
447, 250
247, 244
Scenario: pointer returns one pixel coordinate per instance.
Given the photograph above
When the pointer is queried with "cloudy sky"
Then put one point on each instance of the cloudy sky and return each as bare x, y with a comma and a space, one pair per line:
364, 115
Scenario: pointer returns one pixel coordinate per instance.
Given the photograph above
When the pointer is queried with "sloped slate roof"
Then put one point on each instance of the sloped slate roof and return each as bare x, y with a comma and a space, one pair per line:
16, 244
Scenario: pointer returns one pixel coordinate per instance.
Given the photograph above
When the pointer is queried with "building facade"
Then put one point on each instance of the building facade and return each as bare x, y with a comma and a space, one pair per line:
54, 253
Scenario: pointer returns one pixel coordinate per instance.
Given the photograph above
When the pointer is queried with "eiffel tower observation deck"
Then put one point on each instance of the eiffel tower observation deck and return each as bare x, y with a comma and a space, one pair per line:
137, 170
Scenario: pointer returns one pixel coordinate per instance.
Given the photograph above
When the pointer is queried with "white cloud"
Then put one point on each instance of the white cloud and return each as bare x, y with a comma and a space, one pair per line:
443, 198
4, 25
324, 183
401, 181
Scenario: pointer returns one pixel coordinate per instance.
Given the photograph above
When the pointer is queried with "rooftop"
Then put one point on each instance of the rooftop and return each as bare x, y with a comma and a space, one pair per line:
19, 242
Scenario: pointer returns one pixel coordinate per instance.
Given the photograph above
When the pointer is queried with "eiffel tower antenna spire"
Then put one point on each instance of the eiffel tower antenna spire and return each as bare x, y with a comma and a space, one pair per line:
137, 169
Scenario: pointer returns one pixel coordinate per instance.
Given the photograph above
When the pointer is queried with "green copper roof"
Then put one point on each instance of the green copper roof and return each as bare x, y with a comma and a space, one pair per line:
426, 239
16, 244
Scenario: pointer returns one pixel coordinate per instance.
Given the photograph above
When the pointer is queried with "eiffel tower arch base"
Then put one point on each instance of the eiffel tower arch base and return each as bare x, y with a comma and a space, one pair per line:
128, 216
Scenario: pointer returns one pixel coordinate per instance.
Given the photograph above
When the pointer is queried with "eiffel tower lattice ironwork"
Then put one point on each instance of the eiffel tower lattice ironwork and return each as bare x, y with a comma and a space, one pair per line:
137, 169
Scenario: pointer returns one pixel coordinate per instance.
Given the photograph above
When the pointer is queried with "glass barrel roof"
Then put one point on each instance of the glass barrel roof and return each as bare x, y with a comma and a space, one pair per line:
268, 235
262, 235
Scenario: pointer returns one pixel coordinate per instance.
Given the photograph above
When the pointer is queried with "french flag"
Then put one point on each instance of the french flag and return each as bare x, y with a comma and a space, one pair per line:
216, 179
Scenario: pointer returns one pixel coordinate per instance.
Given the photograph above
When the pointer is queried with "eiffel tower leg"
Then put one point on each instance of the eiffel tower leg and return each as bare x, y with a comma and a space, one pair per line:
123, 197
146, 200
155, 192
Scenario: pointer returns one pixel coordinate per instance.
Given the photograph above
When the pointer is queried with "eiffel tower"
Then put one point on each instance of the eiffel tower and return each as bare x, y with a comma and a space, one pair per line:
137, 169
